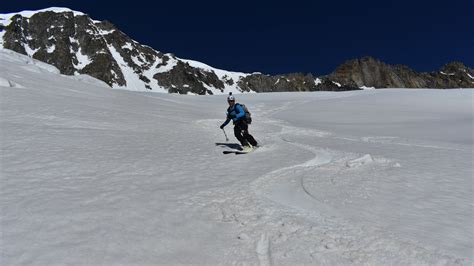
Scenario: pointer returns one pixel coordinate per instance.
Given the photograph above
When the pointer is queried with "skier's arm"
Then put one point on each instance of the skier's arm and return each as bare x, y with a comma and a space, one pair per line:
240, 113
226, 122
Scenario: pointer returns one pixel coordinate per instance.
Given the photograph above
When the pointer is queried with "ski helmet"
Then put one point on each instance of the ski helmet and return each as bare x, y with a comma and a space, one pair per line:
231, 97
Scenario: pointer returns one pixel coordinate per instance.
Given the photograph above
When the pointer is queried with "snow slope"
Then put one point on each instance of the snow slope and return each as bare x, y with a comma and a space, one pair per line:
91, 175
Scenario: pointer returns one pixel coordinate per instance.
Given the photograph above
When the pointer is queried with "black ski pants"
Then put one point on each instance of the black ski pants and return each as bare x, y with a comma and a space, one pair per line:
241, 132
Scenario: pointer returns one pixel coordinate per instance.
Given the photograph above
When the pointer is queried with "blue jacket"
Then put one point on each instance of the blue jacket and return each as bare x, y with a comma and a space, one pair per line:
234, 112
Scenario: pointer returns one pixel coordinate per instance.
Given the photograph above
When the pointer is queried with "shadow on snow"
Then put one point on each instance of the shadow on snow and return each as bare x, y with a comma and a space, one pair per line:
234, 146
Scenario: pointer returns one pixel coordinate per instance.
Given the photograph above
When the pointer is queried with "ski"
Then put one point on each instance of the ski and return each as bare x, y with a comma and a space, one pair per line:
234, 152
239, 151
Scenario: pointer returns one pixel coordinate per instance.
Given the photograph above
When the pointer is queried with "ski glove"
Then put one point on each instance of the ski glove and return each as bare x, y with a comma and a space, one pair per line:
222, 126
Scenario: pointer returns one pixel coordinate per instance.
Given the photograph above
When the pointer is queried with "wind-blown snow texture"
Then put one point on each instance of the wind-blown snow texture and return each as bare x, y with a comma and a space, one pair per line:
91, 175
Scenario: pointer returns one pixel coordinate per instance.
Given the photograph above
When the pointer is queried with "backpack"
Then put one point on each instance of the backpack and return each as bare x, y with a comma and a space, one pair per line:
248, 115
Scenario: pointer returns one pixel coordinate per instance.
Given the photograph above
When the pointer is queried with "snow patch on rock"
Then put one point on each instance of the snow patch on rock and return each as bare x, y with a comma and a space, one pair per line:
170, 64
133, 81
51, 49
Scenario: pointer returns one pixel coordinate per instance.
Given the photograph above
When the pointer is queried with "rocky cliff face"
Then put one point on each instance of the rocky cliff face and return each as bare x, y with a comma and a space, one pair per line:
76, 44
370, 72
291, 82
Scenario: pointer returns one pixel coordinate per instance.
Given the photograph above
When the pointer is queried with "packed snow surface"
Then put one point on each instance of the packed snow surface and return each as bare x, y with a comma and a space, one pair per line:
92, 175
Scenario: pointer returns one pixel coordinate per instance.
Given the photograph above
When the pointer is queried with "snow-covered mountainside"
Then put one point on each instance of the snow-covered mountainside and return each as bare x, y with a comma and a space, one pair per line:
76, 44
94, 176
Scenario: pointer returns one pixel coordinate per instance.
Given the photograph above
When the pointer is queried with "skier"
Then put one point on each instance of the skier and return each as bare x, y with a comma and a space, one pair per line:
237, 113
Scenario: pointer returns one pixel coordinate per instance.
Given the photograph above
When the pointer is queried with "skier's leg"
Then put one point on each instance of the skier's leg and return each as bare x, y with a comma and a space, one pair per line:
238, 134
247, 136
251, 140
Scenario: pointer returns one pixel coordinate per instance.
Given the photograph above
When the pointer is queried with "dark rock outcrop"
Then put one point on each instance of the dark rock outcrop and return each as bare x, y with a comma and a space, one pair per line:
184, 78
290, 82
370, 72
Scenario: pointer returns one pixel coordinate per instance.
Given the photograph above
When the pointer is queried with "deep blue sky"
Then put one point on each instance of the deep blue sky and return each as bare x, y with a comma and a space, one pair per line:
292, 36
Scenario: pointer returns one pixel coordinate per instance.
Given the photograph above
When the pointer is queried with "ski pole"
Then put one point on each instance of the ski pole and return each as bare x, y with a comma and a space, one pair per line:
226, 138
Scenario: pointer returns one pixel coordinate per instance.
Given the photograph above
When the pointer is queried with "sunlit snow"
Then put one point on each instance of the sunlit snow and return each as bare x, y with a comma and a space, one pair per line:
96, 176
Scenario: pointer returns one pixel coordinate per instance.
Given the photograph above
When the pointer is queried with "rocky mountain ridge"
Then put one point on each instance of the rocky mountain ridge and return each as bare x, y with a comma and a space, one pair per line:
77, 44
371, 72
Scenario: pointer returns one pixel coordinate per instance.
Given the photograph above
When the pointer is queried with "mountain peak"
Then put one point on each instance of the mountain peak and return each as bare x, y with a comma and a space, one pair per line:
454, 66
5, 18
368, 71
75, 44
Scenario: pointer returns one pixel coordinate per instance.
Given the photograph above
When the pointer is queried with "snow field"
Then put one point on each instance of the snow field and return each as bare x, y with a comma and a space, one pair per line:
291, 192
91, 175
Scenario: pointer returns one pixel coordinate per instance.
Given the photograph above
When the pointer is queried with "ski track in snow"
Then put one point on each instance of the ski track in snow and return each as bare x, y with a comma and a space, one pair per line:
323, 236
